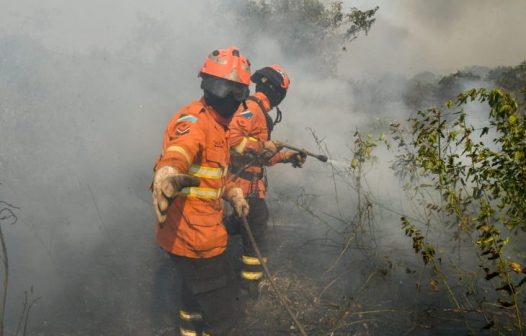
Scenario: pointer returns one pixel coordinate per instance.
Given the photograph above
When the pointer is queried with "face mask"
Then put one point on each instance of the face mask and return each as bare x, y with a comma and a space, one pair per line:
226, 107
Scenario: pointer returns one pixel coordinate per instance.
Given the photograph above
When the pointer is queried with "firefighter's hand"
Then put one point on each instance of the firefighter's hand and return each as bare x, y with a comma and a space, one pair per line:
270, 148
250, 156
297, 159
238, 201
167, 182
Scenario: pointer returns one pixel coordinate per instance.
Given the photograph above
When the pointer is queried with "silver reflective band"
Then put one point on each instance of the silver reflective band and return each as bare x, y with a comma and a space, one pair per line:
204, 193
251, 275
187, 332
207, 172
189, 316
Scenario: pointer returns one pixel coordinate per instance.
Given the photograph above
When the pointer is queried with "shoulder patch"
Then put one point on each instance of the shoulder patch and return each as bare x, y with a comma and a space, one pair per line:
247, 114
187, 117
183, 128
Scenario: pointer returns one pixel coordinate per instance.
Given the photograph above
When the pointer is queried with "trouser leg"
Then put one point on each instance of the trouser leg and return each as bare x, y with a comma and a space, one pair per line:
190, 317
251, 269
232, 224
214, 289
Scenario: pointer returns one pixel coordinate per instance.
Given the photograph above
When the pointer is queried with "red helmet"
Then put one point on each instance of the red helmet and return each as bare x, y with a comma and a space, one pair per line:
273, 81
226, 71
227, 64
286, 80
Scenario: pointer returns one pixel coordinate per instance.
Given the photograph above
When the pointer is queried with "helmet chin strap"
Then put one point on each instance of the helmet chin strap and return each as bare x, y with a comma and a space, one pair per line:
279, 116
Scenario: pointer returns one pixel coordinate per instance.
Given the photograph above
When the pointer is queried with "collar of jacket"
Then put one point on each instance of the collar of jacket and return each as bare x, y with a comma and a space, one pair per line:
266, 103
217, 117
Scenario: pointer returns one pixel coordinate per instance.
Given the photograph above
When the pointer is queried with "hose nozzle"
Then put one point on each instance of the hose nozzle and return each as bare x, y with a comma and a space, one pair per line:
320, 157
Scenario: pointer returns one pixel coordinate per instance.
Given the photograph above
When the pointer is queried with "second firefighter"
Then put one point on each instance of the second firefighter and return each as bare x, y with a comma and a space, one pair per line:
252, 149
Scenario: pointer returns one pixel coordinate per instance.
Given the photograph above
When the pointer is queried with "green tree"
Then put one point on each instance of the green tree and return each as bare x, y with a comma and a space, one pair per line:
310, 29
511, 79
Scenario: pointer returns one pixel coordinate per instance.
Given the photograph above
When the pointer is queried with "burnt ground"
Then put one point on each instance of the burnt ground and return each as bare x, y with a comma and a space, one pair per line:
367, 293
369, 290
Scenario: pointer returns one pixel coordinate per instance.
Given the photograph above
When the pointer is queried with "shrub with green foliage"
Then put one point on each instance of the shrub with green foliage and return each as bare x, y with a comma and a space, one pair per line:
480, 174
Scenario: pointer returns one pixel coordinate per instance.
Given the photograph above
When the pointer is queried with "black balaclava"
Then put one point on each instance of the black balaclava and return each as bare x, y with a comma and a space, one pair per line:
275, 96
226, 107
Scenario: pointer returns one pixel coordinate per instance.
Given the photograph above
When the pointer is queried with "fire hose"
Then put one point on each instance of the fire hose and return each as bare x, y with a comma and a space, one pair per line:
280, 296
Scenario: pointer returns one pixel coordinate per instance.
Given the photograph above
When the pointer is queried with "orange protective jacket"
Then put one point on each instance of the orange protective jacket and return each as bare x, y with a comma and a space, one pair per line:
196, 143
248, 129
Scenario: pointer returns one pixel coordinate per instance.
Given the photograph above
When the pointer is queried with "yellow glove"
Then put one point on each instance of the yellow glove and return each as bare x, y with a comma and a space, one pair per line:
167, 182
238, 201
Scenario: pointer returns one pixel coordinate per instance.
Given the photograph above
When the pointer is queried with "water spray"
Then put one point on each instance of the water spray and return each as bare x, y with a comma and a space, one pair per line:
339, 164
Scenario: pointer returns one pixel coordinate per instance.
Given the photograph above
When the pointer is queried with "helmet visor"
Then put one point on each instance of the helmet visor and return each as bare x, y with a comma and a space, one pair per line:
221, 88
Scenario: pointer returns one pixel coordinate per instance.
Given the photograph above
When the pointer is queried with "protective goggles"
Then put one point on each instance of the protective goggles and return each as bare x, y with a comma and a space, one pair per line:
222, 88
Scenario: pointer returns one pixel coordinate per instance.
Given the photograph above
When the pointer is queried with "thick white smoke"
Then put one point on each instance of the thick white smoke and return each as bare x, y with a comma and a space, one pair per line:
86, 89
412, 36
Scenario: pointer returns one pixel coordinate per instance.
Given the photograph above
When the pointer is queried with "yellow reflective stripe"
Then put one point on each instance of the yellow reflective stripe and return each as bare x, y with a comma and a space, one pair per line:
206, 172
188, 316
251, 275
178, 149
253, 139
241, 147
187, 332
252, 261
201, 192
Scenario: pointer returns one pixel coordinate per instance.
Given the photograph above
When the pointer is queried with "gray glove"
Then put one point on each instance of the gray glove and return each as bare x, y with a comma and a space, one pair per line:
297, 159
167, 182
270, 148
239, 203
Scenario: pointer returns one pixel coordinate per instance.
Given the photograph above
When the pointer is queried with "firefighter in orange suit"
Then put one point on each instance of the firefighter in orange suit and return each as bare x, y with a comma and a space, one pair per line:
251, 150
188, 188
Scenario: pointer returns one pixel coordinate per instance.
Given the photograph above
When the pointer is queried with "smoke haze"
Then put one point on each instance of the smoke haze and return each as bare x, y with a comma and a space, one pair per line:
86, 89
412, 36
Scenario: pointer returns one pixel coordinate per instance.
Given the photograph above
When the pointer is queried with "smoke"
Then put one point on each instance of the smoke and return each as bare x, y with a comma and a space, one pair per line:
85, 96
413, 36
86, 90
